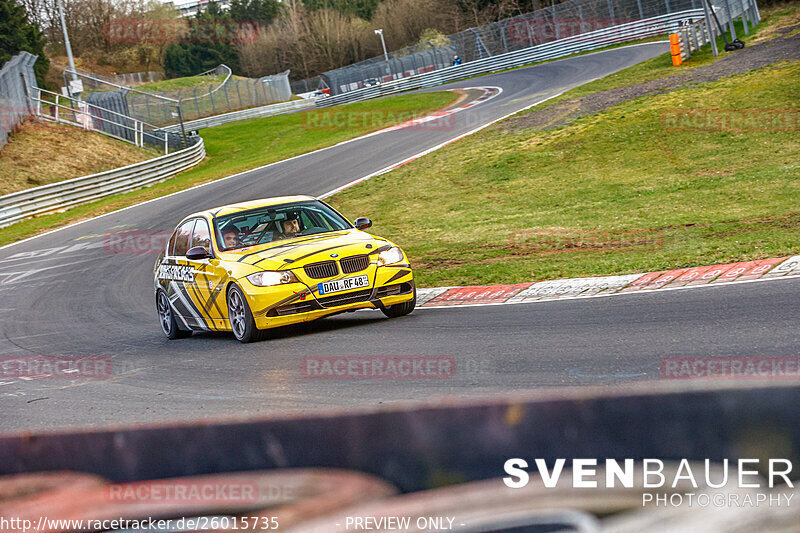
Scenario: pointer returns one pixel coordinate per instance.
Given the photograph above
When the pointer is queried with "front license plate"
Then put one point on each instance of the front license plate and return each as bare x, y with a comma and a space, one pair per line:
337, 285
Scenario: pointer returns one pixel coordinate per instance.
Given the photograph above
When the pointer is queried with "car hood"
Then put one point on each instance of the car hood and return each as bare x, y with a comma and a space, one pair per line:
300, 251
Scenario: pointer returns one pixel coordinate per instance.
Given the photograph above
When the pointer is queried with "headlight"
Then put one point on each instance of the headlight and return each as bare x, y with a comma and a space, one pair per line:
390, 256
267, 279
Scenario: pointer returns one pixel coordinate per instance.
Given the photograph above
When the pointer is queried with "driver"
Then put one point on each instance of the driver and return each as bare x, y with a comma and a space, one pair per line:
291, 227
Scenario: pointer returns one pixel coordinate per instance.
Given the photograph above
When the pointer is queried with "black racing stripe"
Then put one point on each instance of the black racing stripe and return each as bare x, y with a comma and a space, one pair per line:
196, 291
182, 286
290, 299
323, 250
299, 243
290, 247
212, 298
380, 249
287, 245
213, 294
399, 275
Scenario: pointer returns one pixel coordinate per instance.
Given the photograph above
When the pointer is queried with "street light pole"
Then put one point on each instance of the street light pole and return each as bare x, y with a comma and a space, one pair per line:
383, 43
66, 40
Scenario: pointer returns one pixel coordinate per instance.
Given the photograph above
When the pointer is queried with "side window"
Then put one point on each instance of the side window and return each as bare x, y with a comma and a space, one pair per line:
184, 235
201, 235
305, 217
171, 245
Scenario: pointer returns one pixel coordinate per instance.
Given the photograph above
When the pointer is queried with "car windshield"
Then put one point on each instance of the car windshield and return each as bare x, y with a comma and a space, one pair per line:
277, 222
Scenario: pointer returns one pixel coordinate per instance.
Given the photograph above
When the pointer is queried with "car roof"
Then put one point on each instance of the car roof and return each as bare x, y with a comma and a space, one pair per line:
252, 204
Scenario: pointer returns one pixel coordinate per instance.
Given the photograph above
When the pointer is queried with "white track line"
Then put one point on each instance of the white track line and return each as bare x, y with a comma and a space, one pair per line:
476, 130
382, 171
410, 124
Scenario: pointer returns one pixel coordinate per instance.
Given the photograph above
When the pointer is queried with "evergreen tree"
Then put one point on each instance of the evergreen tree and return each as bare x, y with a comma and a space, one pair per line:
18, 34
360, 8
261, 11
208, 44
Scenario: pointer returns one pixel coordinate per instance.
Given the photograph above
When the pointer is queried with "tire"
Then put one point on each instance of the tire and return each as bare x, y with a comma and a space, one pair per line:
166, 317
241, 318
394, 311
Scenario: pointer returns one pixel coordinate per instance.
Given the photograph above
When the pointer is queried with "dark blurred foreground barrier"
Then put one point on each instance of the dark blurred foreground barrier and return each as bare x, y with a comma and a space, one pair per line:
422, 447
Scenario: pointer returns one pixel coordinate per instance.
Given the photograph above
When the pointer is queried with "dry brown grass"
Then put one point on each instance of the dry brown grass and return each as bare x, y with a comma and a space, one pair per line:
778, 19
39, 153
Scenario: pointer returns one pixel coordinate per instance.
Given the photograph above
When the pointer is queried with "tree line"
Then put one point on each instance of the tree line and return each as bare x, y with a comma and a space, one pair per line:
307, 37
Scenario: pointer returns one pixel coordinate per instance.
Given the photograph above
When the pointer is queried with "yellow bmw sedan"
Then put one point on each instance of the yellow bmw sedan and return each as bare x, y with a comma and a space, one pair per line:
257, 265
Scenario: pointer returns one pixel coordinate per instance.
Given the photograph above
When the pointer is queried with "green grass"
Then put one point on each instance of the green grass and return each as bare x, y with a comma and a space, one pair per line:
248, 144
661, 66
182, 83
512, 206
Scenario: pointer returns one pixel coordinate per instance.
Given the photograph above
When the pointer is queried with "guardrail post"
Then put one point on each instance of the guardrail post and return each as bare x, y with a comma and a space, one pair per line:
227, 98
731, 24
503, 35
710, 29
183, 130
530, 33
211, 97
744, 17
27, 94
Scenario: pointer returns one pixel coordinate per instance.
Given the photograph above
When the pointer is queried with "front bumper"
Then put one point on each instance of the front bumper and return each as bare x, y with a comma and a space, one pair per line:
294, 303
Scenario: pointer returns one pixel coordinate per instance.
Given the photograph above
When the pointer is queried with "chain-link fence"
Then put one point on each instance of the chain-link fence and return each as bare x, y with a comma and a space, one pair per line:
16, 79
229, 94
552, 23
93, 80
222, 94
308, 85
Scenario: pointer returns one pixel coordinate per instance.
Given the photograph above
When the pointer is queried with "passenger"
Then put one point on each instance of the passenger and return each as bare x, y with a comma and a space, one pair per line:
230, 236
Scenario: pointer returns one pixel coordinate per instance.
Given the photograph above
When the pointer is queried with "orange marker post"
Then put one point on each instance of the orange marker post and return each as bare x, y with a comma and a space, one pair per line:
675, 49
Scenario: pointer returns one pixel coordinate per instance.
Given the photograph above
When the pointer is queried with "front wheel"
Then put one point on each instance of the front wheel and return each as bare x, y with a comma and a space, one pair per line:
396, 310
241, 318
166, 316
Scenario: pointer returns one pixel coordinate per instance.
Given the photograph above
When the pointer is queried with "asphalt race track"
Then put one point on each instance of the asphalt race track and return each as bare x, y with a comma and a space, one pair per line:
64, 294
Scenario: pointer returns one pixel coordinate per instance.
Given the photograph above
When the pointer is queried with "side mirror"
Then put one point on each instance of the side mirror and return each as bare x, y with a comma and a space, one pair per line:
196, 253
362, 223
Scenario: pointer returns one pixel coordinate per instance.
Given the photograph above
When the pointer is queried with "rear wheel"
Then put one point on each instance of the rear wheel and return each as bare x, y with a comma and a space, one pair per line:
241, 318
166, 316
396, 310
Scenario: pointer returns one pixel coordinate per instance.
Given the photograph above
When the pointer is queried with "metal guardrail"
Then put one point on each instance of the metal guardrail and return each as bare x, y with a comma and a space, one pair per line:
554, 49
253, 112
92, 118
692, 38
16, 76
56, 196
